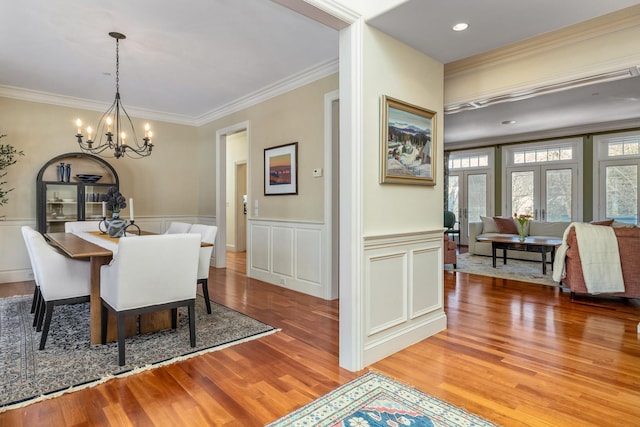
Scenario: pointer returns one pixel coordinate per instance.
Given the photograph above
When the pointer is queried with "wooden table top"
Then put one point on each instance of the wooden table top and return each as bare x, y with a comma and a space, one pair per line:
77, 247
527, 240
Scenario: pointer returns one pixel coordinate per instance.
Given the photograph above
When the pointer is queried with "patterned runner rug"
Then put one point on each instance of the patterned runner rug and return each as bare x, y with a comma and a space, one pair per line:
524, 271
375, 400
70, 362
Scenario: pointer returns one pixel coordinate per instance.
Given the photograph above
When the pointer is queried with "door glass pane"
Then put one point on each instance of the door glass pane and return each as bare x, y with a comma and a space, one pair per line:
522, 187
559, 202
453, 201
476, 197
622, 193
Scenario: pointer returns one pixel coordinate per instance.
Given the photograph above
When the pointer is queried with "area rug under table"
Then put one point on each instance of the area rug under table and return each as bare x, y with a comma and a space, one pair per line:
70, 362
375, 400
524, 271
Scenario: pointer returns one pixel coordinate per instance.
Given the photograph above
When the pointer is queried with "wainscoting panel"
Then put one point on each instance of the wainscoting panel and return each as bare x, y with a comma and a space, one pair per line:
386, 290
260, 248
425, 299
403, 291
288, 254
282, 249
309, 246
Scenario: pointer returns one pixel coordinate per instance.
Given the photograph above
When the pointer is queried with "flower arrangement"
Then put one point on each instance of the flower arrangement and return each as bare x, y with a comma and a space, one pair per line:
522, 219
115, 200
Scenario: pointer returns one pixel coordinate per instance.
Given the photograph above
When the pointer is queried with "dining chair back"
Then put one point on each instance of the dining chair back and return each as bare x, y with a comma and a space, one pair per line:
450, 225
178, 227
150, 273
62, 280
74, 226
207, 235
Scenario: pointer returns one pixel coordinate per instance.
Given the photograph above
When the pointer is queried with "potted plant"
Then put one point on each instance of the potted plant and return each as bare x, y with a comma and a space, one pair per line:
8, 155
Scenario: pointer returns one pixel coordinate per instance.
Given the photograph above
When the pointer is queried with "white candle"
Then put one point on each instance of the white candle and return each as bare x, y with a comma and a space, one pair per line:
79, 124
104, 209
131, 209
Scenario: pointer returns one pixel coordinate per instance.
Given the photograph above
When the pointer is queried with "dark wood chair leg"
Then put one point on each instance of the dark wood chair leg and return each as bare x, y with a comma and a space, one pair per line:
174, 318
36, 296
121, 332
104, 319
41, 310
205, 293
192, 323
47, 323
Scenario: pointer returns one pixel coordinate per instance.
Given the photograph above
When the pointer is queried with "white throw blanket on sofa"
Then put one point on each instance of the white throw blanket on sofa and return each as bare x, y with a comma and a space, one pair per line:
599, 255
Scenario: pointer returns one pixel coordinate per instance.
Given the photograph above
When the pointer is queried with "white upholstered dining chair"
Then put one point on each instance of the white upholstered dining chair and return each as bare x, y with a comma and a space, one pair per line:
73, 226
207, 235
150, 273
36, 292
62, 280
178, 227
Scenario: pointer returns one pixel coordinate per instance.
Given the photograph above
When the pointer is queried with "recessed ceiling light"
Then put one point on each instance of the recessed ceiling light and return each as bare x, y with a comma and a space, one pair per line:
508, 122
461, 26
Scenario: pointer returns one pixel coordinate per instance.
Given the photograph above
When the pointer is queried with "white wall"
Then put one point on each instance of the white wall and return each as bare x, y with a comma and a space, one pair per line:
402, 286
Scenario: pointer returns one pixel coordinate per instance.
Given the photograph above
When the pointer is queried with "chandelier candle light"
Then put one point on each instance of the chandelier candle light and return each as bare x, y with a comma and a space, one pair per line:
522, 220
116, 141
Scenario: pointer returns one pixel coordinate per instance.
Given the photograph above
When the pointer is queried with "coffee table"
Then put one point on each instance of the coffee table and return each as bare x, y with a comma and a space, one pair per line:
529, 244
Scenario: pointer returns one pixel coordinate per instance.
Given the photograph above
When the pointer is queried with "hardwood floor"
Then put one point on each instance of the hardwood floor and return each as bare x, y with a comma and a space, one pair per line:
516, 353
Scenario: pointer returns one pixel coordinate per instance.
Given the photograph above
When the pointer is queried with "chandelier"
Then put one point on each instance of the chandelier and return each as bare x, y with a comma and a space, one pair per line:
111, 126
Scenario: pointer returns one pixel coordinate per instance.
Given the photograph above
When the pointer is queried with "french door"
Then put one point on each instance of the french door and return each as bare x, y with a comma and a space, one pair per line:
470, 187
548, 193
541, 179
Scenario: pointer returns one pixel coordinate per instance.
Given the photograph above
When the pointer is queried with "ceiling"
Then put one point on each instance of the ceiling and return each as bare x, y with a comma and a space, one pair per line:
186, 60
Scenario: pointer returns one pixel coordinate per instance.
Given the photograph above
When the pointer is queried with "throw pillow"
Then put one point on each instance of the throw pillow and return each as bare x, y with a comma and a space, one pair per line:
506, 225
606, 222
618, 224
488, 225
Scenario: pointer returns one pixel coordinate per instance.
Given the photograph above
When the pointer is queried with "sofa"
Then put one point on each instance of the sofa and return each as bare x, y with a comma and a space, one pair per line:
489, 226
629, 248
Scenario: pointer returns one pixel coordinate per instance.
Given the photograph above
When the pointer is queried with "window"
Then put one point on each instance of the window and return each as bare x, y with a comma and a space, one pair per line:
616, 171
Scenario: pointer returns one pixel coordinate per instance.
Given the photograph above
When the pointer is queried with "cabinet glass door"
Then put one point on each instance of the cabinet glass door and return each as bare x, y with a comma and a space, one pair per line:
94, 195
61, 205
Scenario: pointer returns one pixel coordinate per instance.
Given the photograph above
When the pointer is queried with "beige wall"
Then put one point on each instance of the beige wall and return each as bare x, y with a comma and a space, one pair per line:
163, 184
394, 69
295, 116
601, 45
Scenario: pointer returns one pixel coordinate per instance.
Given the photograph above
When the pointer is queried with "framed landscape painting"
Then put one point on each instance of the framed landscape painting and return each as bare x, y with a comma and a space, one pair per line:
408, 146
281, 170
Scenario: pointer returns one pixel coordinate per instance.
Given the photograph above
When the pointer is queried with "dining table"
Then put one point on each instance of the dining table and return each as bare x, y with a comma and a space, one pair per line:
98, 248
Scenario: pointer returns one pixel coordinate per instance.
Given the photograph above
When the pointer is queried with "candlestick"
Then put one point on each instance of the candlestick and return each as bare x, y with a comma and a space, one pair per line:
104, 209
131, 209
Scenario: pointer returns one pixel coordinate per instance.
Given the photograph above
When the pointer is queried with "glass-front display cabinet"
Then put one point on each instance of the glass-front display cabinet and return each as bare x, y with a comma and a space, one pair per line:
72, 187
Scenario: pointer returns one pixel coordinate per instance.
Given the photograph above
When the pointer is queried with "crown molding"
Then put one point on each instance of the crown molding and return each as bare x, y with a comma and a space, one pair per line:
327, 12
582, 130
87, 104
593, 28
294, 81
283, 86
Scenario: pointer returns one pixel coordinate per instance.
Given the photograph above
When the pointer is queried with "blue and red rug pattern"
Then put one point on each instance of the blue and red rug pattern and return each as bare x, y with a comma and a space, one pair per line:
374, 400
